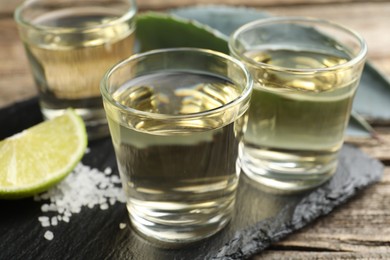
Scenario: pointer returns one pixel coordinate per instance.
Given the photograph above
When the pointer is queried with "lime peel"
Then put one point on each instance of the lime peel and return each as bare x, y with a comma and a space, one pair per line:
39, 157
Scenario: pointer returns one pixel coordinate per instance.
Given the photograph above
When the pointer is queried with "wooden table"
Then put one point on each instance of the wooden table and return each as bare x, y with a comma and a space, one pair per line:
359, 228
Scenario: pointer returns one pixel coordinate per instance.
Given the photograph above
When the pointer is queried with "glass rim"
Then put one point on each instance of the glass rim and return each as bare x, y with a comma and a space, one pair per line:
355, 59
18, 17
246, 91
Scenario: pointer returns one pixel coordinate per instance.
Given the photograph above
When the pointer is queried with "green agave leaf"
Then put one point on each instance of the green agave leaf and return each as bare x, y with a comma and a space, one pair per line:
159, 30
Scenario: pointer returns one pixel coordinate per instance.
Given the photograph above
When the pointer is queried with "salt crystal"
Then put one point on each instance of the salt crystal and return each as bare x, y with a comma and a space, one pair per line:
87, 150
115, 179
52, 207
48, 235
107, 171
122, 225
45, 223
94, 171
103, 185
76, 209
45, 208
65, 219
43, 218
54, 221
104, 206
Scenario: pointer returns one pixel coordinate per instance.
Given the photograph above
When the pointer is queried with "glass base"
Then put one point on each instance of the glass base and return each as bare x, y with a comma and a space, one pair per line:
175, 227
291, 171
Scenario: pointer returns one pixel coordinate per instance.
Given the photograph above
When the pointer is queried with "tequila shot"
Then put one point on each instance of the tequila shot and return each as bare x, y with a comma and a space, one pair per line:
70, 45
176, 119
306, 72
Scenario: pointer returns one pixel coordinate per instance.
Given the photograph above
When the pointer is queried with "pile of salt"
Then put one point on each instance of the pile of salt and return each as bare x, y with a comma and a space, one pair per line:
84, 187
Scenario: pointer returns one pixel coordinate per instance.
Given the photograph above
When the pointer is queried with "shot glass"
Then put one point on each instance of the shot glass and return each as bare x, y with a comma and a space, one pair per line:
70, 45
176, 118
305, 72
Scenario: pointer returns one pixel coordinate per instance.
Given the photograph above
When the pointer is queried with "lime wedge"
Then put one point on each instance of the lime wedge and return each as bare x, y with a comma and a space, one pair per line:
39, 157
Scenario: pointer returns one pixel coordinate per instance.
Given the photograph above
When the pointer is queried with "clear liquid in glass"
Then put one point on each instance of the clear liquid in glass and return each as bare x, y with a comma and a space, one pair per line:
180, 176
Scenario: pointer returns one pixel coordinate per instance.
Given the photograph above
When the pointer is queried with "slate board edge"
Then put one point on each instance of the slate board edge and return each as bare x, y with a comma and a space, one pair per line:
255, 239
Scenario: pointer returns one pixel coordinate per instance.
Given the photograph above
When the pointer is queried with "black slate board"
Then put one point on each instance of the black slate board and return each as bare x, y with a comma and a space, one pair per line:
260, 217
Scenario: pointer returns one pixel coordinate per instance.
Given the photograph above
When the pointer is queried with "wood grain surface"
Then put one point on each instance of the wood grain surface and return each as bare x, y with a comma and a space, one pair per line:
360, 229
